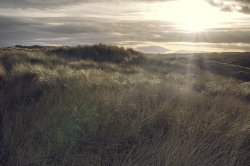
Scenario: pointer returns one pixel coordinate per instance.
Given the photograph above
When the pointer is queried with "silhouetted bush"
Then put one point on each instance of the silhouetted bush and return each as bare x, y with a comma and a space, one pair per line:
99, 53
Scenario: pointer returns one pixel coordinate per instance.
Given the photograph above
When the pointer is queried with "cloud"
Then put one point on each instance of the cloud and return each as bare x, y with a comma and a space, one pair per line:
153, 49
107, 21
40, 4
242, 6
74, 30
37, 3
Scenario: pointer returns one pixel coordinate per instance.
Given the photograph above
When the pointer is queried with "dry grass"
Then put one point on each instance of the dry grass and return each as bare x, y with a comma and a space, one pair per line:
170, 110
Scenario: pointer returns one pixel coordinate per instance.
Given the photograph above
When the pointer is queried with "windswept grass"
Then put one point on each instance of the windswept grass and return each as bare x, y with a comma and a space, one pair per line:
71, 106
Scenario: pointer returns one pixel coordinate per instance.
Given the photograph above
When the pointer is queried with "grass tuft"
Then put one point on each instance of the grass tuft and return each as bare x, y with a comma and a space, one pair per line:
105, 105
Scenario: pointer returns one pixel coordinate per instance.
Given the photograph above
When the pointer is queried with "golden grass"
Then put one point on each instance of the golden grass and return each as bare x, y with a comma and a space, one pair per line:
157, 111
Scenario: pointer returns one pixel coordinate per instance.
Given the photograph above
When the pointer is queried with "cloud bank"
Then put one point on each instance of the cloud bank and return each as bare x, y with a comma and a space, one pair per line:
119, 22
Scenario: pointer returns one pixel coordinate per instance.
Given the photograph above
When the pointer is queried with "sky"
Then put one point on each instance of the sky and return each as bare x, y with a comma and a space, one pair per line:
152, 26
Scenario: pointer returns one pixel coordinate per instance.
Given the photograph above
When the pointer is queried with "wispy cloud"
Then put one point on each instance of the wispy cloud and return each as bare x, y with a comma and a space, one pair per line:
124, 22
56, 3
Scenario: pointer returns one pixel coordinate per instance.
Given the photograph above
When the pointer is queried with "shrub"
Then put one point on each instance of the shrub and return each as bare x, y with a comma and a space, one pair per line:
99, 53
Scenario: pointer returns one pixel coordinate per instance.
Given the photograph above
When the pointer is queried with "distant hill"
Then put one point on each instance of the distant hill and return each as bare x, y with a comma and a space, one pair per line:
29, 47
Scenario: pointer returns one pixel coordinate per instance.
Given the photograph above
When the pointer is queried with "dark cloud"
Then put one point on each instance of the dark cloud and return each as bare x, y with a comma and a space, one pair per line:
242, 6
40, 4
36, 3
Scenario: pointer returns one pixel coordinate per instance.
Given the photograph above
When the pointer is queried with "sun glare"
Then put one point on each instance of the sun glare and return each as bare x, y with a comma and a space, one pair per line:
196, 15
191, 15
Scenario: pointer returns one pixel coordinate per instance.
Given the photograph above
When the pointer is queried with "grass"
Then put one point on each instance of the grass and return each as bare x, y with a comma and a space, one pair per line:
104, 105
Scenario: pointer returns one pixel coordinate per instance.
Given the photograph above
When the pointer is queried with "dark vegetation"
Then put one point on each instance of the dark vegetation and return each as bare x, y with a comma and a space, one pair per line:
104, 105
99, 53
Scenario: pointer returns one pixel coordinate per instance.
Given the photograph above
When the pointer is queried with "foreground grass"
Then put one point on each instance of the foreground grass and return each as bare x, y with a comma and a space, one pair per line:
59, 106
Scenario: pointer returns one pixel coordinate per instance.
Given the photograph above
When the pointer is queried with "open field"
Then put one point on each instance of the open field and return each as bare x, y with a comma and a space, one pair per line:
104, 105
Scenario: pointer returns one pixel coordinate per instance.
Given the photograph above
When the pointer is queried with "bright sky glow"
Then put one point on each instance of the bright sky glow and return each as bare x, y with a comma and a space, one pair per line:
191, 15
167, 25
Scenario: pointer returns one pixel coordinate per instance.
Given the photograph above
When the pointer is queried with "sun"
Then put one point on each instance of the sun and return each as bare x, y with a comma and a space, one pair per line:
196, 15
190, 15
